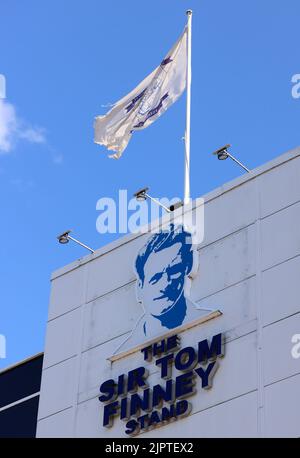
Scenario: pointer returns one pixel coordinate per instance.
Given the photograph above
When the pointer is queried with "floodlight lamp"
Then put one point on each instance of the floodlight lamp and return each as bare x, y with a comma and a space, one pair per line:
222, 153
141, 194
64, 237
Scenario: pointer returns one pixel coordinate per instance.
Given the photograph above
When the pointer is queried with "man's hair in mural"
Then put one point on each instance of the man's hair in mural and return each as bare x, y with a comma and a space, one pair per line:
163, 240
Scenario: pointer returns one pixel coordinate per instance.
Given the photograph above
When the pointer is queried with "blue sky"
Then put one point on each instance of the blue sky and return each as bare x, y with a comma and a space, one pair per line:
62, 60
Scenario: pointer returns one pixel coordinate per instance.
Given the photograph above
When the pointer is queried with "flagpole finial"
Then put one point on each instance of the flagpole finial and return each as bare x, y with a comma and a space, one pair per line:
189, 12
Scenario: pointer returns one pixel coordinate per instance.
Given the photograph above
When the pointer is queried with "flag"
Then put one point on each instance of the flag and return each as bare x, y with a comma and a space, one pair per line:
149, 100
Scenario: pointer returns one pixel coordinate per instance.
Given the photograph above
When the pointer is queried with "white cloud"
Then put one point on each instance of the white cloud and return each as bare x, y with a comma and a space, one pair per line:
8, 126
36, 135
13, 129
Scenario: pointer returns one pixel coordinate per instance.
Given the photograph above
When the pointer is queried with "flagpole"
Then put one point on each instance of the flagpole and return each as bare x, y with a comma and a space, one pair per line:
187, 194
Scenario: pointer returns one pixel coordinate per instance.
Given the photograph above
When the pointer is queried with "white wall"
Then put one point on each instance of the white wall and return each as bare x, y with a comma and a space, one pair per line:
249, 267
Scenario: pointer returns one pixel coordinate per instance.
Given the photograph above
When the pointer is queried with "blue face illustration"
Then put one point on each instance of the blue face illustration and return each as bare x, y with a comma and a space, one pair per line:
161, 266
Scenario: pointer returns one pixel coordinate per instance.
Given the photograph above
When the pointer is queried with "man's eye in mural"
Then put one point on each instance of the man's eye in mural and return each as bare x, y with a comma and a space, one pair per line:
174, 272
156, 278
174, 276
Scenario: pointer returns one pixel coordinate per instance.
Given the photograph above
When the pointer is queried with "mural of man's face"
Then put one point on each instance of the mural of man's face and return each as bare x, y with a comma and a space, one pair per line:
164, 273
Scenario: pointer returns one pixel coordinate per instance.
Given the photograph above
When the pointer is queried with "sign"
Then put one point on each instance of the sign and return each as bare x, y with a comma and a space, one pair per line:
165, 267
142, 407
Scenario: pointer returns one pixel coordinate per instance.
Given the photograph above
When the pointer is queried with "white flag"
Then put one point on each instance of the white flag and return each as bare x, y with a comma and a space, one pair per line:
146, 102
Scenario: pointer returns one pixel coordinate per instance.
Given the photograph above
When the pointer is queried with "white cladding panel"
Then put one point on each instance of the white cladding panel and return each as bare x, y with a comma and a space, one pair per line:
280, 187
215, 275
59, 425
67, 292
282, 408
58, 385
277, 344
281, 291
115, 269
62, 337
281, 236
249, 264
232, 212
113, 304
234, 418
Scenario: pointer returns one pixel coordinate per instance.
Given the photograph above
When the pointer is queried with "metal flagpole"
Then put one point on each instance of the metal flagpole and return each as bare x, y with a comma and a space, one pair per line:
187, 194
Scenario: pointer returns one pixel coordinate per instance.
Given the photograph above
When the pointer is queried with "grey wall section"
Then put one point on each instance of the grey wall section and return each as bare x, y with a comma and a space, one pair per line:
249, 266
